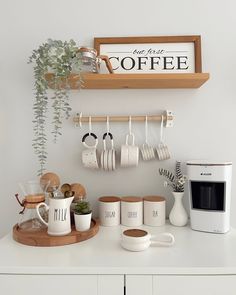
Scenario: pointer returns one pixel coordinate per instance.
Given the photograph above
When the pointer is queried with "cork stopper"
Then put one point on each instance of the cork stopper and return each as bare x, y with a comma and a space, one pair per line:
137, 233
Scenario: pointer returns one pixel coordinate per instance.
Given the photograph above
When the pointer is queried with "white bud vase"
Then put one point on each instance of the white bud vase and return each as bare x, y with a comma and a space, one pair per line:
178, 215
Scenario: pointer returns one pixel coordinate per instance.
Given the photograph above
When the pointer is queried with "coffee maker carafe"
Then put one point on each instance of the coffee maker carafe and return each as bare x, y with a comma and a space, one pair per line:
209, 195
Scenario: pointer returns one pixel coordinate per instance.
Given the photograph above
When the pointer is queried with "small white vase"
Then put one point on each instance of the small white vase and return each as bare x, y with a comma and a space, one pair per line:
178, 215
82, 221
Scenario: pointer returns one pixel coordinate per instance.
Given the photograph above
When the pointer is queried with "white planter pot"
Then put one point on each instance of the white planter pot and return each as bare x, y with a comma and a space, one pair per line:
178, 215
82, 222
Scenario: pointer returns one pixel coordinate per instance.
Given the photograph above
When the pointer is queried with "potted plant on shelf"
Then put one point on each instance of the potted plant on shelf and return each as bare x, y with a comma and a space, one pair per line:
61, 59
82, 215
178, 215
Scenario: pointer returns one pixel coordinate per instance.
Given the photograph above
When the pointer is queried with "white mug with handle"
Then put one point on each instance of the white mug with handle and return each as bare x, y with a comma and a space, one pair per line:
139, 240
59, 223
89, 155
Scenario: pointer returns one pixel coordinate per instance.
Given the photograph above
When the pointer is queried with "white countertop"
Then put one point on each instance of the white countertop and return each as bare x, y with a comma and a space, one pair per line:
193, 253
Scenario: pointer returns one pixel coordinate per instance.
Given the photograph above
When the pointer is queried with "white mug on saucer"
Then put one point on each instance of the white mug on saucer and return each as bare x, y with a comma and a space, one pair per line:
139, 240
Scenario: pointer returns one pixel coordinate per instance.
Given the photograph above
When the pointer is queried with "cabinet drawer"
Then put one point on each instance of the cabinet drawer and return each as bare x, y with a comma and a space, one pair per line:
139, 285
194, 285
48, 284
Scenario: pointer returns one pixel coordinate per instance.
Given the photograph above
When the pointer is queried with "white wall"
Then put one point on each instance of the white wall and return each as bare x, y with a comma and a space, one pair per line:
204, 125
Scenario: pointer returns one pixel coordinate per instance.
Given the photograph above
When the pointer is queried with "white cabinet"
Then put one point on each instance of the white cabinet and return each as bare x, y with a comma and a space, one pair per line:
194, 285
180, 285
138, 285
62, 284
110, 285
100, 266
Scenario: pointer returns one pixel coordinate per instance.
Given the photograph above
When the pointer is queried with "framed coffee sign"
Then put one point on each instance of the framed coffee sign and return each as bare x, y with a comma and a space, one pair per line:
165, 54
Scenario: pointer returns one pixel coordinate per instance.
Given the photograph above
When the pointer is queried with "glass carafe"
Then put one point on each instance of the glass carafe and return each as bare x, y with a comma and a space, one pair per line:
34, 193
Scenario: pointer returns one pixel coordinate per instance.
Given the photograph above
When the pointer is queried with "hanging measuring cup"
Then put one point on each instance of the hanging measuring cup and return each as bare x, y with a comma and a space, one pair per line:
108, 158
147, 151
108, 155
89, 155
162, 149
129, 152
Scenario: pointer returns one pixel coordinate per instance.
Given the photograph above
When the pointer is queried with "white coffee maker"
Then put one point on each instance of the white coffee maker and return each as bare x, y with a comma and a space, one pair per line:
209, 195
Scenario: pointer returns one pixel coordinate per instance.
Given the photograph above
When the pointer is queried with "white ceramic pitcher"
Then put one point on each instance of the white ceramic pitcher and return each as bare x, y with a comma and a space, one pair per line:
58, 216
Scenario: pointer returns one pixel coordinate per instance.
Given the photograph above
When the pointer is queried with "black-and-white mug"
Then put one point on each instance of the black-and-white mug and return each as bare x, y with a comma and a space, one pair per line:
89, 155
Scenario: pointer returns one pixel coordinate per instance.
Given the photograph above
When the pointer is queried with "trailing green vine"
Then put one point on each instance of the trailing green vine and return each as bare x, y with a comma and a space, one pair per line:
61, 59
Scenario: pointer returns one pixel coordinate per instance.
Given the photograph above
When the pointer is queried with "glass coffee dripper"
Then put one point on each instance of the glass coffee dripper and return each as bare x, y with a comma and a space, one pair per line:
34, 193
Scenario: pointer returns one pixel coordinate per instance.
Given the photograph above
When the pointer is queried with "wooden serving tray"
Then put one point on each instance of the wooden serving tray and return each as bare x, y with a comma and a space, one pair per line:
42, 239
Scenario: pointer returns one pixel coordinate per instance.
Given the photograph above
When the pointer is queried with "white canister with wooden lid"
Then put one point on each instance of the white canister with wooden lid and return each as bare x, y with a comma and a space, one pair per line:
109, 210
131, 211
154, 210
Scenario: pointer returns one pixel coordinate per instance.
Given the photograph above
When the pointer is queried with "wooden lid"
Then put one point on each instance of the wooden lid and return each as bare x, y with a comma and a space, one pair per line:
137, 233
131, 199
154, 199
109, 199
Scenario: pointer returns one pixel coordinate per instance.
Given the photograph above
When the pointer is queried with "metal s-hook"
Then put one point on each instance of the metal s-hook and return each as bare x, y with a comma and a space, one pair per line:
161, 129
146, 129
130, 125
108, 125
78, 124
80, 119
90, 125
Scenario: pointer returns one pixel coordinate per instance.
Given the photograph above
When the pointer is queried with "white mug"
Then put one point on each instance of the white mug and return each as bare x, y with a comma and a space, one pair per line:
131, 211
129, 153
58, 217
154, 210
139, 240
89, 156
109, 211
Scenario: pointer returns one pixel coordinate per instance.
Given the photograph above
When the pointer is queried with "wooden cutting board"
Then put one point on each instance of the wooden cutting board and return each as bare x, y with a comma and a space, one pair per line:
40, 238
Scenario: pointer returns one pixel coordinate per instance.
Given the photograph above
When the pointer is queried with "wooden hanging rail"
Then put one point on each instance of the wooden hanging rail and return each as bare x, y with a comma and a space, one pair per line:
168, 118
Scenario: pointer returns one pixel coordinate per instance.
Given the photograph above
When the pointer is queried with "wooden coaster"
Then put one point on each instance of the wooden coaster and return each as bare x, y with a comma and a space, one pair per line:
42, 239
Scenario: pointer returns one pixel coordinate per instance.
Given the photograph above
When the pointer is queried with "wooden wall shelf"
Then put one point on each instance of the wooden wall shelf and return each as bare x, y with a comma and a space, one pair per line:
136, 81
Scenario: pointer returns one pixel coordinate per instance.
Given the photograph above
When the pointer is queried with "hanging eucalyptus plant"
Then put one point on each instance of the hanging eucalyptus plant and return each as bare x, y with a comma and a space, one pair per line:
61, 59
